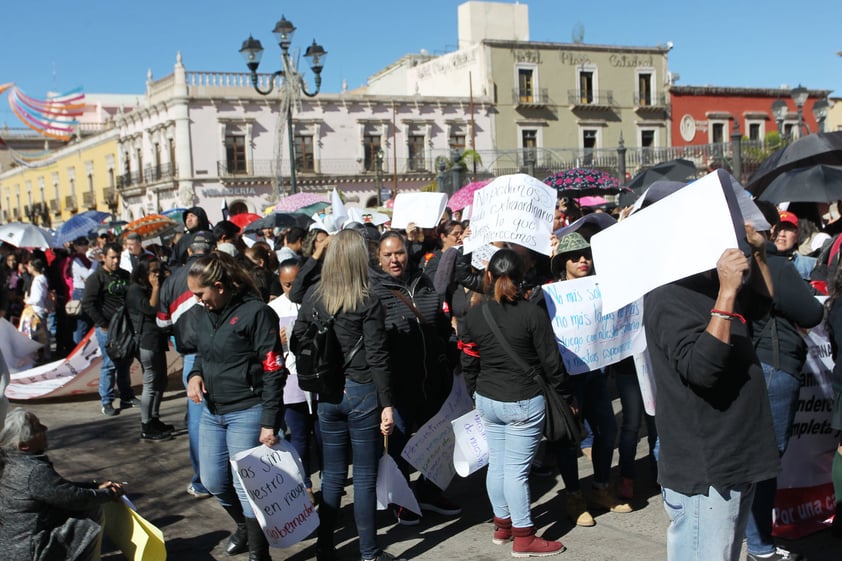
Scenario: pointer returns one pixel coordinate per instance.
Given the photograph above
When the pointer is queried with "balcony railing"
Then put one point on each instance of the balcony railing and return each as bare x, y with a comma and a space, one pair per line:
109, 195
160, 172
70, 203
530, 97
658, 101
89, 199
55, 207
597, 98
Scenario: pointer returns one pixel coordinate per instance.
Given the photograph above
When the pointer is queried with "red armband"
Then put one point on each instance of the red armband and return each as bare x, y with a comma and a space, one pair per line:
469, 349
728, 315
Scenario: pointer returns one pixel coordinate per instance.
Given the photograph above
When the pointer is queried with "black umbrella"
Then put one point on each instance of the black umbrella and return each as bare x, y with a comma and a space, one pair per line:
813, 149
280, 220
814, 184
672, 170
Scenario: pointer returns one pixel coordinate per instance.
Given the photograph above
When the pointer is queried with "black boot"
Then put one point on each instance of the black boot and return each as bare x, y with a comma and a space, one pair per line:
238, 542
258, 546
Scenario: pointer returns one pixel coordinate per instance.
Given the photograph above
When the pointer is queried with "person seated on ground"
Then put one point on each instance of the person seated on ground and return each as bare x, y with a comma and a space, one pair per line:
44, 516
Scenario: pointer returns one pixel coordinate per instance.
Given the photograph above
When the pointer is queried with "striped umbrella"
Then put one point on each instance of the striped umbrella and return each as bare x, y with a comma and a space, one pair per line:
150, 226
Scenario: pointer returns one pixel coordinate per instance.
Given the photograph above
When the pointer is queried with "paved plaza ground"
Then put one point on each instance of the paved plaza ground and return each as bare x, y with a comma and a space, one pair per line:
86, 445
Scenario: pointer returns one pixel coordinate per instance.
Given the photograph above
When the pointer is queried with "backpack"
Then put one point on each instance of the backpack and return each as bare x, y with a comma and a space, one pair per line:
122, 342
319, 361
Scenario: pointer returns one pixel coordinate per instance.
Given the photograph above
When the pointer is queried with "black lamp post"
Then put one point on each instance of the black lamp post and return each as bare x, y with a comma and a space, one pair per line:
379, 172
820, 109
293, 82
737, 150
779, 110
799, 95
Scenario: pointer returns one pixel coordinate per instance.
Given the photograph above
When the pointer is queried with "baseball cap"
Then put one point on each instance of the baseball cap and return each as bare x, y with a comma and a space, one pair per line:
789, 217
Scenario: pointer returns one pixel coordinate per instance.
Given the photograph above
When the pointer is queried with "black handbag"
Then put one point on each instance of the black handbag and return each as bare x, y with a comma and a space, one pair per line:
559, 423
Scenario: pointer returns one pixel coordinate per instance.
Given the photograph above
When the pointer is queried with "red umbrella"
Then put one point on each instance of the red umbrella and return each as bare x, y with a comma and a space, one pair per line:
244, 219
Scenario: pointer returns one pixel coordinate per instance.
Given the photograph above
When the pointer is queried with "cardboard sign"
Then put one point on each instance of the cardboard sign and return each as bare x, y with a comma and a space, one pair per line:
471, 451
513, 208
680, 235
424, 209
274, 482
588, 338
430, 450
136, 537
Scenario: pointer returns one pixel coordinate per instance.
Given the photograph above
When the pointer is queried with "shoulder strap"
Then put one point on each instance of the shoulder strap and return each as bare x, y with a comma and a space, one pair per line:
330, 322
409, 303
486, 311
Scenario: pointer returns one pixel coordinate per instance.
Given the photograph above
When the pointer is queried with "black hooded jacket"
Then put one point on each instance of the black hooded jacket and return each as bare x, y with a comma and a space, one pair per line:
179, 254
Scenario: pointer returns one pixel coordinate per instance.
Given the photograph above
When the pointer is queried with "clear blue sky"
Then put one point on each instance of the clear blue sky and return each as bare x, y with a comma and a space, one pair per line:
106, 46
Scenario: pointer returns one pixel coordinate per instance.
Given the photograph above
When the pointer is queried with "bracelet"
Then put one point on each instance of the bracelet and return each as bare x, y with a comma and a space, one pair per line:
728, 316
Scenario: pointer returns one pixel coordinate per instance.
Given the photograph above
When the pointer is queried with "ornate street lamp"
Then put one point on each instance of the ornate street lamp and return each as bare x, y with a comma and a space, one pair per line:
379, 172
820, 109
779, 110
293, 83
799, 96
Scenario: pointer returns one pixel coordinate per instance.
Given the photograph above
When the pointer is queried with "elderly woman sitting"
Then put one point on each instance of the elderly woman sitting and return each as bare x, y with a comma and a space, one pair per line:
42, 515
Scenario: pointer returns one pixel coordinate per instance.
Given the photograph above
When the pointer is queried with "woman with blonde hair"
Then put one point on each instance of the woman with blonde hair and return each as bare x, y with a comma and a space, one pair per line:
239, 374
360, 413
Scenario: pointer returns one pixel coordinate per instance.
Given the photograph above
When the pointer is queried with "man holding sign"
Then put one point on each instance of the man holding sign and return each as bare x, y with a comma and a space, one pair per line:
713, 414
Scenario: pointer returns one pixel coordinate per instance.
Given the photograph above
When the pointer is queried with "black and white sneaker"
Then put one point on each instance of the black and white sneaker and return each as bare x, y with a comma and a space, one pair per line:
780, 554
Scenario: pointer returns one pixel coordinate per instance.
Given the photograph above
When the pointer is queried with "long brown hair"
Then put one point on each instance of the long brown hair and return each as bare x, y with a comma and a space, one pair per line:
506, 269
221, 267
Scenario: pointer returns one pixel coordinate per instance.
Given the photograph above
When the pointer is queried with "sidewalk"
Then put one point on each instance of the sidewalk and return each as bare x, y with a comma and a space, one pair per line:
86, 445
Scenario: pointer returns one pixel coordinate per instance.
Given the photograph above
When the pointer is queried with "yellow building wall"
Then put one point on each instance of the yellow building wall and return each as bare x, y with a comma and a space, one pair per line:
62, 184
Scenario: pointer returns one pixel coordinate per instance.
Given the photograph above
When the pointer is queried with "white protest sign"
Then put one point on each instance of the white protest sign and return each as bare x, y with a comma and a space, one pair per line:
678, 236
589, 339
481, 255
430, 450
646, 380
424, 209
393, 488
471, 451
513, 208
274, 482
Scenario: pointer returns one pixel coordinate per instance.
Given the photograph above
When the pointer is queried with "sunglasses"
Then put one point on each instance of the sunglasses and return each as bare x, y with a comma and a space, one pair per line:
578, 255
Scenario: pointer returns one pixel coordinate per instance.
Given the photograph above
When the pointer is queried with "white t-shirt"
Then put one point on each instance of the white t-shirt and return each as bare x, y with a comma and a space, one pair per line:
287, 312
39, 296
81, 273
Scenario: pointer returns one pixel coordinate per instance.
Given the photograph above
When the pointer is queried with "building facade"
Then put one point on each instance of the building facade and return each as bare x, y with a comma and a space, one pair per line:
558, 104
209, 139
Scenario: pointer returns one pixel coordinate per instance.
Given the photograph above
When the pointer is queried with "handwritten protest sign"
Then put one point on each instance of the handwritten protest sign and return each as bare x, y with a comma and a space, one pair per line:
430, 451
513, 208
424, 209
588, 338
471, 451
661, 243
481, 255
274, 482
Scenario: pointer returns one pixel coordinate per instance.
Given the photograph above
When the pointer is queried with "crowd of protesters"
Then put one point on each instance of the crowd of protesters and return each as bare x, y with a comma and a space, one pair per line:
411, 311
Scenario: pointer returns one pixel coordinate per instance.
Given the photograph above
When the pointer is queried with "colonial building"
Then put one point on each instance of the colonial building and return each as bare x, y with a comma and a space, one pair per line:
77, 177
557, 103
208, 139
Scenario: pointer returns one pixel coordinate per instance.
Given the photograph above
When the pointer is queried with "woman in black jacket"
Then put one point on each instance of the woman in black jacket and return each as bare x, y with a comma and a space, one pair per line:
509, 400
363, 411
417, 333
142, 299
239, 374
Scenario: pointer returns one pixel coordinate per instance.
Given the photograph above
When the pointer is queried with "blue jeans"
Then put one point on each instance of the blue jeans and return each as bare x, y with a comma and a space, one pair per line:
83, 322
303, 428
514, 432
194, 414
354, 422
108, 370
632, 403
223, 437
783, 389
591, 392
707, 528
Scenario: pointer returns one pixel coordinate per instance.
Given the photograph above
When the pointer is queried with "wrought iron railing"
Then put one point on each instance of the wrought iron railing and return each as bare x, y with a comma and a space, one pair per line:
591, 97
531, 96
